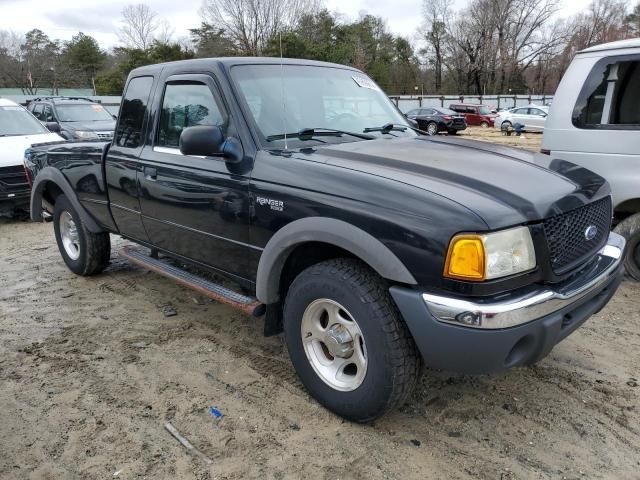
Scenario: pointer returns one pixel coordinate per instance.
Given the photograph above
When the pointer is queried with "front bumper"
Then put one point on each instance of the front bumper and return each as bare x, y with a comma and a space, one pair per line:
517, 329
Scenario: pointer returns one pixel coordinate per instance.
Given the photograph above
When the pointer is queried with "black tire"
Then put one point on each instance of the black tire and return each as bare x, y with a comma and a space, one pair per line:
484, 124
506, 124
393, 361
94, 248
431, 128
629, 228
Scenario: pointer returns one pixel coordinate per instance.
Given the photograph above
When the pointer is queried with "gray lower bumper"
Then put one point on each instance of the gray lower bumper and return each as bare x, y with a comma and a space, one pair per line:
516, 331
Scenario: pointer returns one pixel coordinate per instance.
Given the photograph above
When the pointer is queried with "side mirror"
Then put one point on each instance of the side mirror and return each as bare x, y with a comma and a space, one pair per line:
53, 127
209, 141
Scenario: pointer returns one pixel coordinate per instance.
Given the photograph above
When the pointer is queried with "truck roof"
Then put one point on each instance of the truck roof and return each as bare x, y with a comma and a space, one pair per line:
619, 45
229, 62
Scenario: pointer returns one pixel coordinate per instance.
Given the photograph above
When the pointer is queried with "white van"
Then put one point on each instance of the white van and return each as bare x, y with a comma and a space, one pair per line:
594, 122
18, 131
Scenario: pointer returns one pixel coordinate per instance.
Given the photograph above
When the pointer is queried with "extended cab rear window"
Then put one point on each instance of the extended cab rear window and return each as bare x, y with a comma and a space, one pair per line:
610, 97
132, 112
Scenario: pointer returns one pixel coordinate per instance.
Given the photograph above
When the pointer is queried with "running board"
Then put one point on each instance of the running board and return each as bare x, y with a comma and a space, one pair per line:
248, 305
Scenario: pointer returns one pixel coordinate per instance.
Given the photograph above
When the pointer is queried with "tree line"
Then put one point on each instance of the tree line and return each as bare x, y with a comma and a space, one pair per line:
488, 47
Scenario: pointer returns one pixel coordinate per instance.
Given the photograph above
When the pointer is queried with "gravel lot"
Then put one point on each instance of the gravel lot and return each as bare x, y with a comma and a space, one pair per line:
91, 369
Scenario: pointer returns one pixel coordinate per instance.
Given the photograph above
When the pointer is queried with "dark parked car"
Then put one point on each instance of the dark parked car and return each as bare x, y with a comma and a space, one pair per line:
372, 247
78, 117
436, 119
475, 115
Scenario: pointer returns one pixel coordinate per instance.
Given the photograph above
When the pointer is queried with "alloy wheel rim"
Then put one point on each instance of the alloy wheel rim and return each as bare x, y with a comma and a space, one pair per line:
69, 236
432, 129
334, 345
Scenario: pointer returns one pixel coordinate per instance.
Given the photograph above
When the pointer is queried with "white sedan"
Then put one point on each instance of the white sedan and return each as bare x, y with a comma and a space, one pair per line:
533, 117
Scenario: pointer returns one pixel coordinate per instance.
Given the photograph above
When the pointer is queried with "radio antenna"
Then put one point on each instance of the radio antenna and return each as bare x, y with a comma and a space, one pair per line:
284, 103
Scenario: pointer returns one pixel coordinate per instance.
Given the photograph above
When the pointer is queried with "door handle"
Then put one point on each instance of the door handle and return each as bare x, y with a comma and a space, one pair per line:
150, 173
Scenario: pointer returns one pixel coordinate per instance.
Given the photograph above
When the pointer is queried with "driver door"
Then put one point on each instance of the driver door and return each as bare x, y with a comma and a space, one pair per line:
194, 206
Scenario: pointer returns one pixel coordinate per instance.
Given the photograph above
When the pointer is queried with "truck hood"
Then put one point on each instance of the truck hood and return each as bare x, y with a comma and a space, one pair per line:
499, 184
12, 148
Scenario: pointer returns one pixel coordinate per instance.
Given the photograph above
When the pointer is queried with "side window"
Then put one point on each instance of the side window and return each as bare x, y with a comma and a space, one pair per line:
132, 112
521, 111
413, 112
427, 111
187, 104
610, 98
37, 111
472, 110
455, 108
48, 114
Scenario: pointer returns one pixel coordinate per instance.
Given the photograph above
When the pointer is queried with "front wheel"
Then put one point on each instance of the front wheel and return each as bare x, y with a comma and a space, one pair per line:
85, 253
629, 228
484, 124
351, 349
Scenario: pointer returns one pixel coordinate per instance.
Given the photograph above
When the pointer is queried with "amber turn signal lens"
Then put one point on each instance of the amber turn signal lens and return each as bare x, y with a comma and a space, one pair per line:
465, 259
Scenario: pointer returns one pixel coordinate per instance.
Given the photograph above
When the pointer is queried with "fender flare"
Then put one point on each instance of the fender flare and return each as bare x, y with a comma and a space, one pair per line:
50, 174
325, 230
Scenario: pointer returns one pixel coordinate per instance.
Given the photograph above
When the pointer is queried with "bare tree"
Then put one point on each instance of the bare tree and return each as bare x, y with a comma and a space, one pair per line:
165, 32
251, 23
436, 16
139, 24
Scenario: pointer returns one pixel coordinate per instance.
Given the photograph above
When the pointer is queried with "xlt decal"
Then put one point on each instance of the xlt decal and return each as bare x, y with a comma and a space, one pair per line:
276, 205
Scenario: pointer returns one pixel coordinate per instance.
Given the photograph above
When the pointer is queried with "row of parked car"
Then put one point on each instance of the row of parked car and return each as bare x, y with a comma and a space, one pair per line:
457, 117
45, 120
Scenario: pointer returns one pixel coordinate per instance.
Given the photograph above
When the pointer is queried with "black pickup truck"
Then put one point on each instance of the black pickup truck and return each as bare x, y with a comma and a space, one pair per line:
374, 248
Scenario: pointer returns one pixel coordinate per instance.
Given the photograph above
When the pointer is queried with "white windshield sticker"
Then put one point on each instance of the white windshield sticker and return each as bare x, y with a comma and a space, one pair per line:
365, 82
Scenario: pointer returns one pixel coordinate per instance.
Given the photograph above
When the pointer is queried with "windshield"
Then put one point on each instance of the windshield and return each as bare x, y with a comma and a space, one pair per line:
82, 112
484, 110
315, 97
15, 120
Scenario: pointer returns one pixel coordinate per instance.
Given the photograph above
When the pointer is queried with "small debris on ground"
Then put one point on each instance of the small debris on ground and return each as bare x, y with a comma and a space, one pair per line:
415, 442
169, 311
215, 412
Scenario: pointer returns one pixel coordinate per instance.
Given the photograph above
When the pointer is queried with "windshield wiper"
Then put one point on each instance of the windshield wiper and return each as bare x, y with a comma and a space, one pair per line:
309, 133
395, 126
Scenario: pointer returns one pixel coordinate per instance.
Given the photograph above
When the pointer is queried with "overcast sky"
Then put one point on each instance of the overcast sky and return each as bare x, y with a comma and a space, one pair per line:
99, 18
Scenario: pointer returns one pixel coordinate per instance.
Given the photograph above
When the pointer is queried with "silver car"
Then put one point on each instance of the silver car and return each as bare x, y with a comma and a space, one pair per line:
533, 117
595, 123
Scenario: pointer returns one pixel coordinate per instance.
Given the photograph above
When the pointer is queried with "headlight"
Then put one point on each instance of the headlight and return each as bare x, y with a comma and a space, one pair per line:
82, 134
493, 255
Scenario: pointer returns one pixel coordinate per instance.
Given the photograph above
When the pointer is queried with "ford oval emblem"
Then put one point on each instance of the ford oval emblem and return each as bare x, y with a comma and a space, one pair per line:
591, 232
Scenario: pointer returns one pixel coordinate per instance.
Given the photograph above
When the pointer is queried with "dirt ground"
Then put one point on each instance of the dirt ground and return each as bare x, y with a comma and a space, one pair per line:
91, 369
528, 141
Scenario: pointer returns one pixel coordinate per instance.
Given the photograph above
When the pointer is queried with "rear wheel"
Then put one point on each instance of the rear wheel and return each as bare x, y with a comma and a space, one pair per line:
432, 128
84, 252
347, 341
484, 124
629, 228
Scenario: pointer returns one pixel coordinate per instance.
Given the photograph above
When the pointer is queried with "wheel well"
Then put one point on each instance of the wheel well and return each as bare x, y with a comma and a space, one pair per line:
305, 255
50, 192
626, 209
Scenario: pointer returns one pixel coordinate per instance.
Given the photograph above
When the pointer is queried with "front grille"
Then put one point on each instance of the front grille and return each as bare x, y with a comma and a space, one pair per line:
567, 234
13, 183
